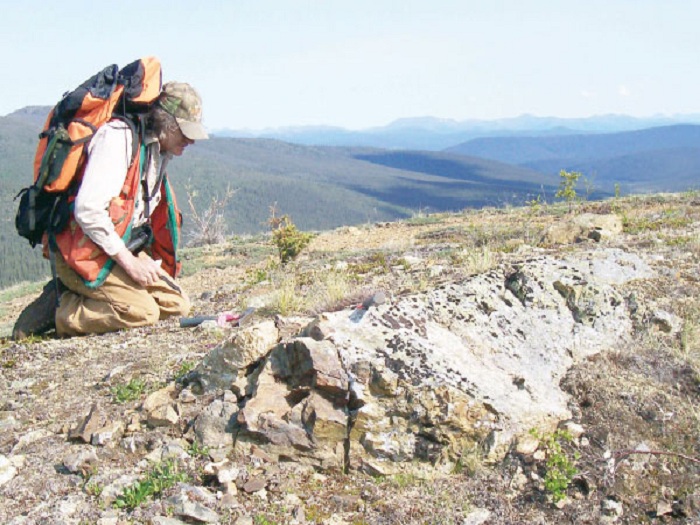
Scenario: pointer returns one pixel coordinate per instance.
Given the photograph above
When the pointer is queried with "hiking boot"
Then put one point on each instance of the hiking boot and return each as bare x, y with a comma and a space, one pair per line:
40, 316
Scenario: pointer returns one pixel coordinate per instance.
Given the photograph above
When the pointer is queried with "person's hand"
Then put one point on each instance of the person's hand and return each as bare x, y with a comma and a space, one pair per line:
143, 270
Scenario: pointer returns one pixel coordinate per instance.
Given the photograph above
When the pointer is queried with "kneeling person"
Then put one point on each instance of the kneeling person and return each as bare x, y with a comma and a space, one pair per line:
103, 286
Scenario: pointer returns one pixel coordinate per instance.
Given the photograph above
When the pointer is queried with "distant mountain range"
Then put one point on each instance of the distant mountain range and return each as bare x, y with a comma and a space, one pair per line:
658, 159
429, 133
322, 187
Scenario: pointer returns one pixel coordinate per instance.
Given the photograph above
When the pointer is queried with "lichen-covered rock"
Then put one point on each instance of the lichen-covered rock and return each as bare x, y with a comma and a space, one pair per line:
416, 382
297, 403
213, 426
220, 369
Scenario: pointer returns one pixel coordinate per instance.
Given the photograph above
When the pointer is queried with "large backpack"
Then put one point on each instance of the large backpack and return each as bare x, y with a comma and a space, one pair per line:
127, 93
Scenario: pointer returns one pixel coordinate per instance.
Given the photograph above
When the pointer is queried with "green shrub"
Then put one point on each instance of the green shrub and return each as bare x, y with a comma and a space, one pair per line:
161, 477
289, 241
196, 449
129, 391
93, 488
185, 368
261, 519
256, 275
376, 263
535, 205
560, 468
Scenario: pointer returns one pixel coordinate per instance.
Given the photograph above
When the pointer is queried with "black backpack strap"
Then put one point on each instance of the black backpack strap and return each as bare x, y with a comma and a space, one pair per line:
54, 275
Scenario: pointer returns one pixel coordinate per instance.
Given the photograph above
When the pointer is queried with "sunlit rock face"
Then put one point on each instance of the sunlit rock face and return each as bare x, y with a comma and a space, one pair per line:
416, 382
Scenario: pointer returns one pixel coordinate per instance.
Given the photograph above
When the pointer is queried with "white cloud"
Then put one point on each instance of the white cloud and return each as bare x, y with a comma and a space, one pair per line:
588, 94
623, 91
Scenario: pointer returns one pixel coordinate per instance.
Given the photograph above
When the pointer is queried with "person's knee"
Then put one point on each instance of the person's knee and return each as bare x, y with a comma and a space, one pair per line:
172, 304
176, 306
141, 311
185, 306
149, 313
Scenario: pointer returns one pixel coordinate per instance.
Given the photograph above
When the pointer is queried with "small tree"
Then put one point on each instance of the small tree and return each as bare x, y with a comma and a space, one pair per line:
535, 205
289, 241
588, 185
210, 226
567, 187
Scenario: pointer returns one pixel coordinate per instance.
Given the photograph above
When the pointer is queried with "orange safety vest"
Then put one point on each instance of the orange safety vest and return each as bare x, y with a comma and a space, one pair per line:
92, 263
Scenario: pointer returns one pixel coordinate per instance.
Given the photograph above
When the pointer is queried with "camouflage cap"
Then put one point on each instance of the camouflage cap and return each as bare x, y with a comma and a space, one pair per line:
184, 103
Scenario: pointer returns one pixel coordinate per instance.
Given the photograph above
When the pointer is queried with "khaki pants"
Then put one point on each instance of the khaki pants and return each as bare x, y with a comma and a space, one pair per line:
118, 303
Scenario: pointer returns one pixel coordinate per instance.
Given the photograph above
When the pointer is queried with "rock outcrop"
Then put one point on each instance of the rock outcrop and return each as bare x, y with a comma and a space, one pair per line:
416, 382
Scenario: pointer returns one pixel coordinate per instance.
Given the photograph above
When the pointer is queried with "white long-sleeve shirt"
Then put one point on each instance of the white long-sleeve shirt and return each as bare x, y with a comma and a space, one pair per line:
109, 155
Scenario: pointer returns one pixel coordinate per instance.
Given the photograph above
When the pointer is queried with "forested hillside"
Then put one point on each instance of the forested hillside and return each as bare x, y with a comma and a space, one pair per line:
319, 187
326, 187
17, 144
487, 182
322, 187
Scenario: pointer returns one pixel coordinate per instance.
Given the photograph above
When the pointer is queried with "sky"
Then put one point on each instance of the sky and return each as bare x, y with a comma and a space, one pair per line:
358, 64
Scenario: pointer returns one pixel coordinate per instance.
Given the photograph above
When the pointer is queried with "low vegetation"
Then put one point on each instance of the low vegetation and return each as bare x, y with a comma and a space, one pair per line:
637, 403
567, 187
160, 478
560, 467
286, 237
210, 223
130, 391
